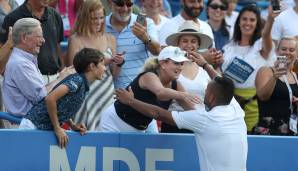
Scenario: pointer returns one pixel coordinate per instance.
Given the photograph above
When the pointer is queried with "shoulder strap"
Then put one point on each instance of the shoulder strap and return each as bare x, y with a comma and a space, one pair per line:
174, 84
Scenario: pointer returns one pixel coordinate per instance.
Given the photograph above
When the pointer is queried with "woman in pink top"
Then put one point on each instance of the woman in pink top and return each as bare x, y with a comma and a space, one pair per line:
68, 10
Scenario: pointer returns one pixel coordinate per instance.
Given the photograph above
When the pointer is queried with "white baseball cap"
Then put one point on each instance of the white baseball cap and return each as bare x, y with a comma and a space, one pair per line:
173, 53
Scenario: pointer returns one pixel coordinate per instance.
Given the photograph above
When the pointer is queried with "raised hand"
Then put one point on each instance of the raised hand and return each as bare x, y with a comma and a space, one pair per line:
140, 31
196, 57
277, 70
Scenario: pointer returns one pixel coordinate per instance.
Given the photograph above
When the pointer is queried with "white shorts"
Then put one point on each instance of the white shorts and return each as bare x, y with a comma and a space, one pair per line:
26, 124
111, 122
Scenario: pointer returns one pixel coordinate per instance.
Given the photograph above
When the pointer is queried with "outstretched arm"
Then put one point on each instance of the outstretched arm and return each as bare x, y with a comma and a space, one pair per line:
152, 111
51, 103
266, 34
151, 82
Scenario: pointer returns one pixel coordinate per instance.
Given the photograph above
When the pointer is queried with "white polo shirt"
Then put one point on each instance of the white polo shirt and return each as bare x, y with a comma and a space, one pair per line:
285, 25
220, 136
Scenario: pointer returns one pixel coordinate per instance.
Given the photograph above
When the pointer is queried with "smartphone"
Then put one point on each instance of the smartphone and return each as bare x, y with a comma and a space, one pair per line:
123, 53
141, 18
275, 6
282, 61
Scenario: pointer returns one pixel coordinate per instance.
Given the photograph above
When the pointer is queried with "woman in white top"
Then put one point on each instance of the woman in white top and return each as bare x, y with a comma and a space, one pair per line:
249, 50
193, 78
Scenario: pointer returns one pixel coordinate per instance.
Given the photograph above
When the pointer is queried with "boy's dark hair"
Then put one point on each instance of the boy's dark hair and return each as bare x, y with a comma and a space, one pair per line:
85, 57
223, 88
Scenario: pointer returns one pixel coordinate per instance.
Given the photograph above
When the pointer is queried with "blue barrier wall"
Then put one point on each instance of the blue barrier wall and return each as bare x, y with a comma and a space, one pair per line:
37, 151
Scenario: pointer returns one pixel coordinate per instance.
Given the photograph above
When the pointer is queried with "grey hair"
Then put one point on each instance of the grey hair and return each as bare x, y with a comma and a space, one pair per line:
23, 26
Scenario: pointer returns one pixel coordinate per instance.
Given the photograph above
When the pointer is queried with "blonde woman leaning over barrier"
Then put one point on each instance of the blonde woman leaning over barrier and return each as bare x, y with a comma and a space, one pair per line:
156, 85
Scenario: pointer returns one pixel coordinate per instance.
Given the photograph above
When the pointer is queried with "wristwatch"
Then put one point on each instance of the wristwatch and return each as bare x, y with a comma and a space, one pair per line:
148, 41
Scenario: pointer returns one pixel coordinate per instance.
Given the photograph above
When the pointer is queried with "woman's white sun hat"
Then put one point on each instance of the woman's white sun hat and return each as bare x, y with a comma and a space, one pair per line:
189, 27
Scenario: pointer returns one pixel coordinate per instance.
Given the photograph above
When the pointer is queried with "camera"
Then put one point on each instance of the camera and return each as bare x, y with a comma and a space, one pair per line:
282, 61
275, 6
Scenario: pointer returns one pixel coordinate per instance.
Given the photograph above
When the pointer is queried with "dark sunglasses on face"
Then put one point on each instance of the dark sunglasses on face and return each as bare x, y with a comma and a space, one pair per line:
216, 6
121, 3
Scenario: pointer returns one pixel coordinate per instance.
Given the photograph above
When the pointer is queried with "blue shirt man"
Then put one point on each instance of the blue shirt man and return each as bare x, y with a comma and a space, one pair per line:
23, 84
132, 38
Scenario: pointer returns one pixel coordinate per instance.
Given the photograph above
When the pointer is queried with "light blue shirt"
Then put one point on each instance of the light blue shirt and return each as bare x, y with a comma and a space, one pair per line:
23, 84
136, 51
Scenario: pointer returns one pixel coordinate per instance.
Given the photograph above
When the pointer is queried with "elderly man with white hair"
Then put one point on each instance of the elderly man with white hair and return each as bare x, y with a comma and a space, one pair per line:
23, 83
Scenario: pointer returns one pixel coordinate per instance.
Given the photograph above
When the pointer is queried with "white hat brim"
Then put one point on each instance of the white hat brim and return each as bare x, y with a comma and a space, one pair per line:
205, 40
180, 59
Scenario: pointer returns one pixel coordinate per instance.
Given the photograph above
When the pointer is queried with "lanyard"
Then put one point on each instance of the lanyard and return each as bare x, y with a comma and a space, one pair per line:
66, 9
290, 90
66, 3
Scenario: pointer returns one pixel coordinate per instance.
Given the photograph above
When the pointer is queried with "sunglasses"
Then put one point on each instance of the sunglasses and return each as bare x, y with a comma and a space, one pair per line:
121, 3
216, 6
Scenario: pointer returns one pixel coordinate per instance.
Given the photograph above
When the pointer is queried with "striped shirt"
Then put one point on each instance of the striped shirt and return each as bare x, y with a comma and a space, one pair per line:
136, 51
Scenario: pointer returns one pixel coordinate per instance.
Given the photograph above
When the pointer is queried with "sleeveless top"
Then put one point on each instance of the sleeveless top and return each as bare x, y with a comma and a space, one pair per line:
275, 112
99, 98
133, 117
278, 106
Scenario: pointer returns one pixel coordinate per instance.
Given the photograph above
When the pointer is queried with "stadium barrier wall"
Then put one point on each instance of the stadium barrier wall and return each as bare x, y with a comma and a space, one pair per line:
38, 151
